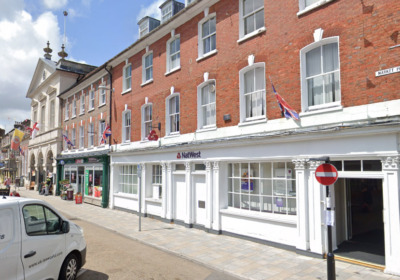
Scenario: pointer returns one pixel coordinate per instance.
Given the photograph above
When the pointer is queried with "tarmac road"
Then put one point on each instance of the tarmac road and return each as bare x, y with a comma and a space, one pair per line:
113, 256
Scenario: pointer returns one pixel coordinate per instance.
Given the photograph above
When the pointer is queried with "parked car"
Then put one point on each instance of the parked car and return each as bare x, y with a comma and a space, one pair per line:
37, 242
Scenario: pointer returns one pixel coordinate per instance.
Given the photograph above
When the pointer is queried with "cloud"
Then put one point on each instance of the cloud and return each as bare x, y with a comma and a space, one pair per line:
9, 8
22, 40
54, 4
73, 13
152, 10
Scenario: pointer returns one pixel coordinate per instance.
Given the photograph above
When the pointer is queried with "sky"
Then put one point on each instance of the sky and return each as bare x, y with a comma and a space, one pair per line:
96, 30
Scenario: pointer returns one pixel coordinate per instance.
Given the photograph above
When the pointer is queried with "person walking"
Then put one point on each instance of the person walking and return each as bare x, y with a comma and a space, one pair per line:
7, 183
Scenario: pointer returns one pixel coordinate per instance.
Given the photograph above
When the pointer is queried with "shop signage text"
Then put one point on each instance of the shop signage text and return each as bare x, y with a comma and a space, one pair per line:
79, 161
387, 71
188, 155
92, 159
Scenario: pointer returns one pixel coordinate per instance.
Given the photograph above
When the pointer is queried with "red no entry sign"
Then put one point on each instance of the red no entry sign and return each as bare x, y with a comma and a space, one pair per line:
326, 174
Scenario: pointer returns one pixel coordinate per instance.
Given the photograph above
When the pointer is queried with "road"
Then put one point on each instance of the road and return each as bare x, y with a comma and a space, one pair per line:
113, 256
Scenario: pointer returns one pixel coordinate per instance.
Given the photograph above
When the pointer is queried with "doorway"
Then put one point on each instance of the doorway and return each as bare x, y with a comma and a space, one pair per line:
199, 182
359, 220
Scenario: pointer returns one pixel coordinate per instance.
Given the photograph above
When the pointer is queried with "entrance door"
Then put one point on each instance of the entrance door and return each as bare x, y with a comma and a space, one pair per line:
364, 221
81, 185
180, 197
199, 183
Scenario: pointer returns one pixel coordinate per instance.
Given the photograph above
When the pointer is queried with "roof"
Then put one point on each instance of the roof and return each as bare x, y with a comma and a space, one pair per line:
146, 17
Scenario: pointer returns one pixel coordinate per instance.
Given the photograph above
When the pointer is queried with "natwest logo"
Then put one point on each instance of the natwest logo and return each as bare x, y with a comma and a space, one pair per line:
189, 155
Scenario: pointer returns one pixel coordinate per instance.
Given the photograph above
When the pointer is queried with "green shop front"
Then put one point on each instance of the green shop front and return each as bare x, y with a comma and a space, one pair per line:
88, 174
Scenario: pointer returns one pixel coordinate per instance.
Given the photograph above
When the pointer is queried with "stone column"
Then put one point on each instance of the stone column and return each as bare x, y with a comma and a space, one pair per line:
55, 178
112, 182
303, 239
143, 189
391, 215
164, 190
216, 225
36, 177
316, 198
189, 194
170, 192
209, 195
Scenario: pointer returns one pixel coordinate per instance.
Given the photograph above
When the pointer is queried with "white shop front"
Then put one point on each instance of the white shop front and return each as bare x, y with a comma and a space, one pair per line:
264, 188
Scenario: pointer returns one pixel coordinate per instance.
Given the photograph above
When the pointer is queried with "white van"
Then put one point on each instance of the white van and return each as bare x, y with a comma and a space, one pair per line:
37, 242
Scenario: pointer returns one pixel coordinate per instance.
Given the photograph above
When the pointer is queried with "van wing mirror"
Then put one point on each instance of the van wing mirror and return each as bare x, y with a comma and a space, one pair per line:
65, 227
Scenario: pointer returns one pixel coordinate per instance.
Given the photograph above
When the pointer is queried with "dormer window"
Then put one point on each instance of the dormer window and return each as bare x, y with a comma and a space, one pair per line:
166, 12
144, 28
146, 25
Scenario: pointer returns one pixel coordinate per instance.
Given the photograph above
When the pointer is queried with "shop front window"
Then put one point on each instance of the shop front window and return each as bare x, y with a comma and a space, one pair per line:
73, 180
128, 180
89, 182
263, 187
98, 182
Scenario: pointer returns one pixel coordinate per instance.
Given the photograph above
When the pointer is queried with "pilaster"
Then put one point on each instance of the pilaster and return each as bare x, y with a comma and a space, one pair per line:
112, 182
209, 194
143, 188
303, 239
189, 194
216, 225
164, 190
170, 212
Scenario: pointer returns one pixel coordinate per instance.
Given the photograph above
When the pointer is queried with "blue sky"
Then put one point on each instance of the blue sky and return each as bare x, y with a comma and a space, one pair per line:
97, 30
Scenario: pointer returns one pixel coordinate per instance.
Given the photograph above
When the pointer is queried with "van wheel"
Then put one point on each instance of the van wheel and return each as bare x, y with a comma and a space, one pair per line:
69, 268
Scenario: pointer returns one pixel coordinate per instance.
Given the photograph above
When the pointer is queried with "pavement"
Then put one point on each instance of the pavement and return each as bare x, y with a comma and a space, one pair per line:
237, 257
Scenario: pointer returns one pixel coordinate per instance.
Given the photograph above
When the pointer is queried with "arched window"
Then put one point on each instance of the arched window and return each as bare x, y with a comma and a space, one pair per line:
206, 105
172, 114
147, 120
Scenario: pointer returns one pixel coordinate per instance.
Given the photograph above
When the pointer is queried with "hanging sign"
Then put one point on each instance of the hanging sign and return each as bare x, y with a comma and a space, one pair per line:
152, 136
79, 161
326, 174
62, 162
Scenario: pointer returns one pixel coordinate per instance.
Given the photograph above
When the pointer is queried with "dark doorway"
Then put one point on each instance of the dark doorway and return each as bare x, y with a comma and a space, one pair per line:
364, 218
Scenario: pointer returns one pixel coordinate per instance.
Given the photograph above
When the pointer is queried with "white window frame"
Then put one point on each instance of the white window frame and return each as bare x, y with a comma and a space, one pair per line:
125, 183
74, 108
200, 124
144, 122
102, 94
91, 135
43, 117
82, 111
66, 110
242, 35
242, 99
201, 53
156, 175
91, 100
144, 81
126, 138
169, 69
52, 113
168, 15
145, 30
65, 142
303, 9
303, 74
81, 137
188, 2
167, 114
125, 78
73, 137
101, 130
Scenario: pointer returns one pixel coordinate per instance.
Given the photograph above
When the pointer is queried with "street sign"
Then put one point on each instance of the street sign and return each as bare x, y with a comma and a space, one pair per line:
326, 174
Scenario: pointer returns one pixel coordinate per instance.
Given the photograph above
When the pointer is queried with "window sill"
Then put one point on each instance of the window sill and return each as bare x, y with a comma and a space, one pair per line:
66, 119
81, 114
172, 71
146, 83
126, 91
125, 144
125, 195
206, 129
278, 218
91, 110
252, 34
90, 148
252, 122
172, 135
207, 55
81, 149
313, 6
104, 104
154, 200
73, 117
322, 111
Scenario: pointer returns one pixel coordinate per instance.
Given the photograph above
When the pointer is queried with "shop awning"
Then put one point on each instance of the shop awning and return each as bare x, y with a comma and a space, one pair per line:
82, 155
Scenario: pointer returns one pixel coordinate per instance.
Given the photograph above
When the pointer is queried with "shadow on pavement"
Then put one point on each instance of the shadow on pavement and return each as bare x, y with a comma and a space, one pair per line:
92, 275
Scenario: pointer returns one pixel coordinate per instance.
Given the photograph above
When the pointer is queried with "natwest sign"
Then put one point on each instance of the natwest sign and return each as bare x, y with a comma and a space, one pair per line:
188, 155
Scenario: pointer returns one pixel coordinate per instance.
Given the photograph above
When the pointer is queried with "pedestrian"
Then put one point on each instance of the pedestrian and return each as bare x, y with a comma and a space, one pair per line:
42, 188
8, 183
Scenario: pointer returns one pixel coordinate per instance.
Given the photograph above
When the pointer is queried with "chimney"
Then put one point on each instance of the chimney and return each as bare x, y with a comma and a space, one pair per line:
48, 51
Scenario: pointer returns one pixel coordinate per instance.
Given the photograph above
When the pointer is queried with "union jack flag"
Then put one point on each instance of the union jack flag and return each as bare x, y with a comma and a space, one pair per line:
21, 151
68, 142
286, 110
106, 133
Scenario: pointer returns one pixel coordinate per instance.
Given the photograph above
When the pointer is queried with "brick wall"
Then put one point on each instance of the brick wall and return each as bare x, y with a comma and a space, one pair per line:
366, 30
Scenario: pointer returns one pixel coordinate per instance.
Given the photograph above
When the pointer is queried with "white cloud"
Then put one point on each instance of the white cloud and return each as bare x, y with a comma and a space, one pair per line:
152, 10
9, 8
54, 4
73, 13
22, 40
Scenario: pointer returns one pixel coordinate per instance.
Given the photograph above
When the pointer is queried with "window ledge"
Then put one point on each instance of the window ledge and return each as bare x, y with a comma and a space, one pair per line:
207, 55
81, 114
252, 34
172, 135
125, 144
91, 110
125, 195
322, 111
144, 141
172, 71
206, 129
147, 82
67, 119
278, 218
73, 117
104, 104
126, 91
81, 149
252, 122
313, 6
91, 148
154, 200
